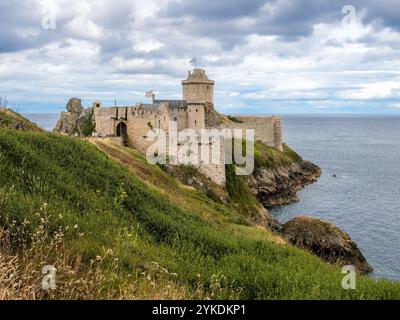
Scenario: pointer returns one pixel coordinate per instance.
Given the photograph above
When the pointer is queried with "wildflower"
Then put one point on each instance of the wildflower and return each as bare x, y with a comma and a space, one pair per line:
76, 226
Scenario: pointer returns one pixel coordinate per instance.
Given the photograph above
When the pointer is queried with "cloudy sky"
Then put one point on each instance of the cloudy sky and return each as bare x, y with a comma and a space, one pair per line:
266, 56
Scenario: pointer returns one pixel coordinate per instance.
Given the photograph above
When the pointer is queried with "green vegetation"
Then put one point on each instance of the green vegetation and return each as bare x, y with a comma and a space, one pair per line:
270, 157
234, 119
88, 126
240, 194
190, 176
149, 236
12, 120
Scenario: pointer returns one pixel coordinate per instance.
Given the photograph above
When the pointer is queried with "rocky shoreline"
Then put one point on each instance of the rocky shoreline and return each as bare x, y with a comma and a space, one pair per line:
279, 186
326, 241
276, 187
275, 182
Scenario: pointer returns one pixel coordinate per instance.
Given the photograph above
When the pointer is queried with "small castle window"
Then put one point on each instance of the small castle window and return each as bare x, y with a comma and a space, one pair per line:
175, 119
195, 121
197, 110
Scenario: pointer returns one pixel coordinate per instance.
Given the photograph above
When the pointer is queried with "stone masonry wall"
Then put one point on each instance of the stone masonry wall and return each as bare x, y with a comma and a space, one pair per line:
216, 172
266, 129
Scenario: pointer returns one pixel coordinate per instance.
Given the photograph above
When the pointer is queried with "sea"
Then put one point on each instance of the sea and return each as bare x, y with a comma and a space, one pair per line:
359, 189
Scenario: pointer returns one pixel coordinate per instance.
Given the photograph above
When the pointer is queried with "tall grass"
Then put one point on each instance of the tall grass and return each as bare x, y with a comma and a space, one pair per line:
149, 246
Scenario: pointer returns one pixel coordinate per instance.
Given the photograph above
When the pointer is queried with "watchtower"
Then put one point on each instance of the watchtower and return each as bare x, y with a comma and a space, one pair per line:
197, 88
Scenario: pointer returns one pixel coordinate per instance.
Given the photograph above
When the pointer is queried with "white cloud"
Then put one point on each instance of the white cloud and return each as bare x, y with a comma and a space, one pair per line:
259, 54
82, 27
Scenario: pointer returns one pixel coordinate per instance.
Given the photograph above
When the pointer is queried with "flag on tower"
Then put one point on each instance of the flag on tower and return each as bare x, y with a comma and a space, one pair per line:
193, 61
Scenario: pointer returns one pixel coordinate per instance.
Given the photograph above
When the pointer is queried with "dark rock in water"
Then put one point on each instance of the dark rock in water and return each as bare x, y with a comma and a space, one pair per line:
325, 240
334, 175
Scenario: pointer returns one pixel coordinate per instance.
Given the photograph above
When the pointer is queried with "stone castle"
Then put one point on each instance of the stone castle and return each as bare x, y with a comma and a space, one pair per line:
130, 124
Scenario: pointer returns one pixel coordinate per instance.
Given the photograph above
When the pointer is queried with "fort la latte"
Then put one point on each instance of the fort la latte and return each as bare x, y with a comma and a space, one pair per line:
186, 131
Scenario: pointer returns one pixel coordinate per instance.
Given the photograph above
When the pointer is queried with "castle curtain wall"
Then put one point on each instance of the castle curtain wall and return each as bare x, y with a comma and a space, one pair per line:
266, 129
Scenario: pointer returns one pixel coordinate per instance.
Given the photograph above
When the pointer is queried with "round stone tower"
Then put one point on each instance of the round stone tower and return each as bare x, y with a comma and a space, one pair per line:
197, 88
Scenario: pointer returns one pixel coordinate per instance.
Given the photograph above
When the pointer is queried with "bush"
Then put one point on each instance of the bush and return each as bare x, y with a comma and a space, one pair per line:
88, 126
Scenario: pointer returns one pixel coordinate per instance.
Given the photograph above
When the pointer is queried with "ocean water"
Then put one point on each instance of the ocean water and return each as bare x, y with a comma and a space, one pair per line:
45, 120
364, 198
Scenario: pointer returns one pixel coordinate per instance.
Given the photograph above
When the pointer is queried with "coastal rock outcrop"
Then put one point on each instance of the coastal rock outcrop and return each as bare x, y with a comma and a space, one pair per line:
74, 106
278, 186
76, 120
325, 240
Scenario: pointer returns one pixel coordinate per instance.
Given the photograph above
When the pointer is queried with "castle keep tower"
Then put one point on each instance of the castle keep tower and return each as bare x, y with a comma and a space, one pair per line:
197, 88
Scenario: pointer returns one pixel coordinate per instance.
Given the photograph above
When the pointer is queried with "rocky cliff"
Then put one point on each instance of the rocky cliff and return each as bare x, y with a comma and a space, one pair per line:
278, 176
76, 121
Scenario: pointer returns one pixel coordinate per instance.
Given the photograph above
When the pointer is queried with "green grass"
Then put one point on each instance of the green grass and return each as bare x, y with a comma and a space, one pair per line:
12, 120
116, 210
234, 119
270, 157
241, 195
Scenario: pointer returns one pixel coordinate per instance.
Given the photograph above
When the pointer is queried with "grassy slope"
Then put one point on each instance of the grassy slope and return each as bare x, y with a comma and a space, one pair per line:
265, 156
12, 120
208, 249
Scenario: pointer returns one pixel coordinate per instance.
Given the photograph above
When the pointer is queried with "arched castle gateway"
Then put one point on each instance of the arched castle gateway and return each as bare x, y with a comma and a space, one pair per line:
194, 111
